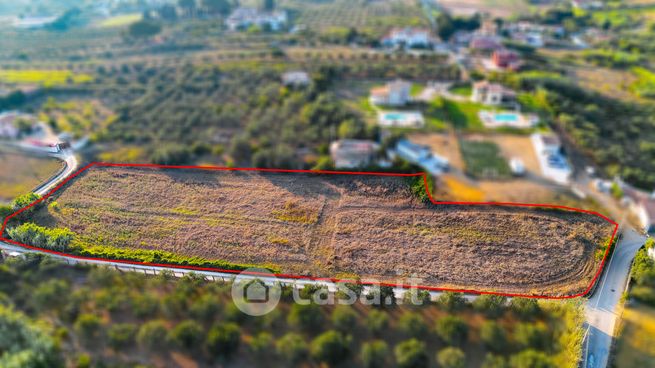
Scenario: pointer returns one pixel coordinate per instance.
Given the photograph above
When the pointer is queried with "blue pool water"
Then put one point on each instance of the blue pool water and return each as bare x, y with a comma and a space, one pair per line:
393, 116
506, 117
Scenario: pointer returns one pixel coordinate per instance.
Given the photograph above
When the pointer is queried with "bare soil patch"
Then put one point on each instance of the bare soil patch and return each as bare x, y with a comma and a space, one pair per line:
329, 225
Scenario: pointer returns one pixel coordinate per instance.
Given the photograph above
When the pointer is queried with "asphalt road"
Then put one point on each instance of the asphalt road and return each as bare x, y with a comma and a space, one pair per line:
601, 308
71, 165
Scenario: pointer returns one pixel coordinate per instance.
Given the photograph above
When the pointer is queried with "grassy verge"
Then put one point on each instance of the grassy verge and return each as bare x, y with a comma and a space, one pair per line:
483, 160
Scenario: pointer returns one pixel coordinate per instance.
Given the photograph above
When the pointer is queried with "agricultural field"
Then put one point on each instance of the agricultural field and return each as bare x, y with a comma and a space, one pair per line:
20, 174
368, 226
483, 159
497, 8
376, 15
45, 78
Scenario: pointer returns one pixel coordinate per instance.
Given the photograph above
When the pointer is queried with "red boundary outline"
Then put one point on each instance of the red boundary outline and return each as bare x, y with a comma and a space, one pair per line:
326, 279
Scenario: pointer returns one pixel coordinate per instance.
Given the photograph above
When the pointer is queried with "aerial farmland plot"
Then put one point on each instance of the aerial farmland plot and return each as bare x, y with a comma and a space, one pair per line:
331, 225
21, 173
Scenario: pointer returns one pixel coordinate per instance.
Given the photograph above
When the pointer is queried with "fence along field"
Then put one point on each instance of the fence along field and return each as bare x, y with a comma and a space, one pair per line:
330, 226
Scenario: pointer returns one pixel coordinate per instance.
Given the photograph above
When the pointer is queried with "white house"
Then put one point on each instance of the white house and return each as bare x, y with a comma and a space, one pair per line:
353, 153
296, 78
246, 17
492, 94
408, 36
552, 162
396, 93
422, 156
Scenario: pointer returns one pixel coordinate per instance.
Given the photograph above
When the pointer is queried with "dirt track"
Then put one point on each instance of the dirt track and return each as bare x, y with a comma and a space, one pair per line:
333, 225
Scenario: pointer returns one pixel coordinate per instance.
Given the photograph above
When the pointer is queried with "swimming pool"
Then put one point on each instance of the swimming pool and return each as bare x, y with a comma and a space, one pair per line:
406, 119
506, 117
394, 116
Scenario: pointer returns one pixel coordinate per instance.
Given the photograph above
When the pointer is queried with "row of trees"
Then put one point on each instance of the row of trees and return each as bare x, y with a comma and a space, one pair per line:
154, 317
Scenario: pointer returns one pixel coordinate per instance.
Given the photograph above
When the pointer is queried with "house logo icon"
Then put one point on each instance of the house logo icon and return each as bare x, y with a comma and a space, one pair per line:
256, 291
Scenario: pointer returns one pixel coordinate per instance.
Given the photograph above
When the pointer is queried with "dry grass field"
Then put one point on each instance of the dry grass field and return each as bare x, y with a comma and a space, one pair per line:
20, 173
330, 225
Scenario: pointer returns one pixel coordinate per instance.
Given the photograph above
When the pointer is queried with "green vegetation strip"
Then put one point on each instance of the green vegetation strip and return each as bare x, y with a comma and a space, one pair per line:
64, 240
483, 160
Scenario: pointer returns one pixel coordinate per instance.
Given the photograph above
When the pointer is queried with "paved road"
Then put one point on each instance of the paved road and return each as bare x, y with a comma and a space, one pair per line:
71, 165
601, 308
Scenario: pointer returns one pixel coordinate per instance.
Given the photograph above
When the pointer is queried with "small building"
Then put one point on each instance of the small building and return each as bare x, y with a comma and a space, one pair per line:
552, 161
296, 78
482, 44
506, 59
242, 18
396, 93
422, 156
532, 39
353, 153
401, 119
492, 94
408, 36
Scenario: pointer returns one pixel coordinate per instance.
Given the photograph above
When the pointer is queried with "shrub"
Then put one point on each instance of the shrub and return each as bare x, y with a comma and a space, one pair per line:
494, 361
187, 334
377, 321
411, 354
344, 318
452, 330
417, 297
330, 347
528, 335
121, 335
412, 324
308, 317
374, 354
87, 326
491, 305
292, 347
29, 233
452, 302
152, 335
261, 343
525, 308
223, 340
493, 336
531, 359
451, 358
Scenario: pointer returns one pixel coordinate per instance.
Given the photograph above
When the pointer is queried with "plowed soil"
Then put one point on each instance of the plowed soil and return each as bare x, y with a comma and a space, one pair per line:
333, 225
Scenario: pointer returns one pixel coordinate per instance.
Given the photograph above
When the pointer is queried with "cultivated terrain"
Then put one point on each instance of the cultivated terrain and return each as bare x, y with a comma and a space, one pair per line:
331, 225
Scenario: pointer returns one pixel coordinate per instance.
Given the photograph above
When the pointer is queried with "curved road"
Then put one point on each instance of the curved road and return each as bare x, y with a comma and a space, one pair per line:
601, 309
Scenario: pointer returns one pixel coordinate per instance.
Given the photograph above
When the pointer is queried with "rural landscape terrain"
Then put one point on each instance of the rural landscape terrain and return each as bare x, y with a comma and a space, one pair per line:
534, 107
363, 226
